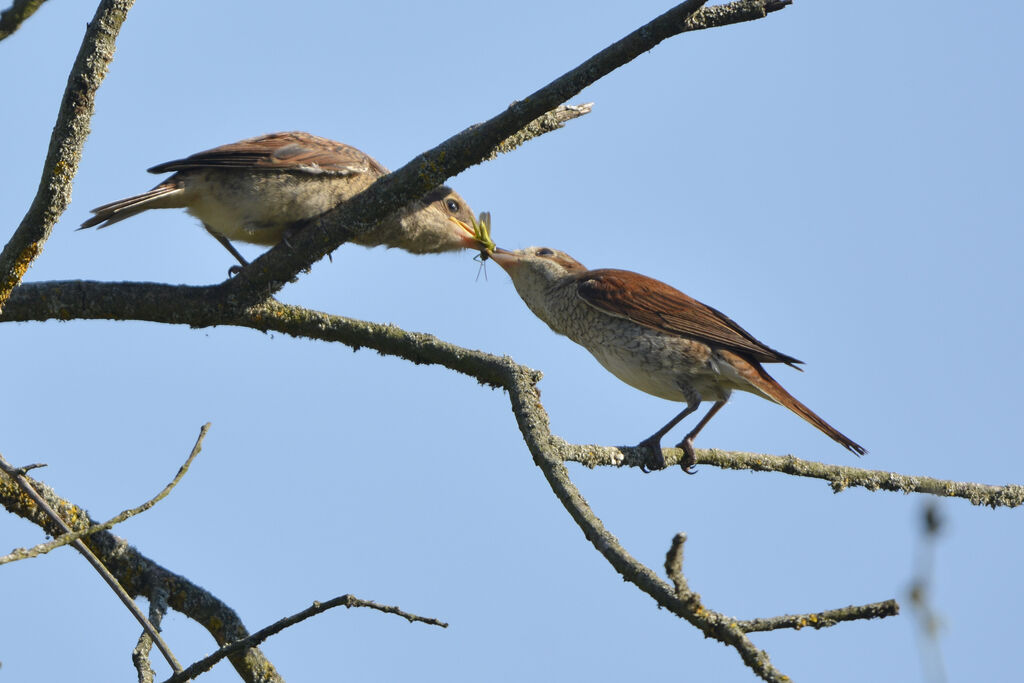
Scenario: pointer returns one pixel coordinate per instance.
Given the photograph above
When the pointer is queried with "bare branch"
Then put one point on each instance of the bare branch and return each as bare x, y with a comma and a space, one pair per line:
271, 271
65, 539
66, 141
843, 477
178, 304
816, 620
140, 655
139, 575
96, 563
545, 123
349, 601
12, 17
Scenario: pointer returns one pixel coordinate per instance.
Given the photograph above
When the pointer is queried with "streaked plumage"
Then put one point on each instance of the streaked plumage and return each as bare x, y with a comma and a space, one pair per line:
653, 337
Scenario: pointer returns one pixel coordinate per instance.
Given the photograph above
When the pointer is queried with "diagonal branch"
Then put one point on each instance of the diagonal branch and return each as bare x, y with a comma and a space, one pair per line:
56, 520
69, 134
65, 539
271, 271
140, 575
349, 601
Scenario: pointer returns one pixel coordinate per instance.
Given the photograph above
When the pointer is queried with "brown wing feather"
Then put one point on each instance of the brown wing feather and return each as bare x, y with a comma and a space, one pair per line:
281, 152
654, 304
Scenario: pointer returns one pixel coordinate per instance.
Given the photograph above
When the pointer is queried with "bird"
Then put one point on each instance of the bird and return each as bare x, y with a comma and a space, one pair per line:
258, 189
654, 338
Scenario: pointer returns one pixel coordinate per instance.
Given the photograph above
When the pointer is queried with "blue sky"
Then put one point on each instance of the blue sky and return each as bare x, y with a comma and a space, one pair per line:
846, 184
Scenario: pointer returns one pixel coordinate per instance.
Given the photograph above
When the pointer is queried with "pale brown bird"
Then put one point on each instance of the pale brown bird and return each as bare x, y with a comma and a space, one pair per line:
257, 189
652, 337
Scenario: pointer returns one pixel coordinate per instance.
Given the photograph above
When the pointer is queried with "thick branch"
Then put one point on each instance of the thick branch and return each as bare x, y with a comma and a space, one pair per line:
69, 134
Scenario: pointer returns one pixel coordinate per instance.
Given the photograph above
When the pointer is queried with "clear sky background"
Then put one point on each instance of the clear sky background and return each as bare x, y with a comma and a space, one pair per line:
844, 182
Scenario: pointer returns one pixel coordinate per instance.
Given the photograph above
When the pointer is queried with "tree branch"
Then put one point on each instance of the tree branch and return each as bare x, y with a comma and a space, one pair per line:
12, 17
197, 307
349, 601
65, 151
140, 575
271, 271
56, 520
65, 539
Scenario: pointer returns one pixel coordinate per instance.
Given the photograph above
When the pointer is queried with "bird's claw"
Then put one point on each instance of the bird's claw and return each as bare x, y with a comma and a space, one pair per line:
689, 462
655, 459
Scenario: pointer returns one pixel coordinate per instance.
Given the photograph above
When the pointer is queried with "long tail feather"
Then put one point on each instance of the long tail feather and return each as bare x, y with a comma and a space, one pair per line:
757, 376
163, 196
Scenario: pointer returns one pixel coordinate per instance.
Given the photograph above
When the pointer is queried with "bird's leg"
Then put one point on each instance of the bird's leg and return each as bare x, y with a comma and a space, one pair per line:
293, 230
653, 442
233, 270
690, 458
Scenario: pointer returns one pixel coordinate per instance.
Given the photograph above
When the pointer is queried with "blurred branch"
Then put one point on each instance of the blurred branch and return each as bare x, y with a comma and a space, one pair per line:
139, 575
349, 601
66, 141
65, 539
12, 17
929, 621
19, 478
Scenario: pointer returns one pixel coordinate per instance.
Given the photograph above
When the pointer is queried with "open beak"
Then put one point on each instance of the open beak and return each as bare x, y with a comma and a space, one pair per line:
478, 235
466, 234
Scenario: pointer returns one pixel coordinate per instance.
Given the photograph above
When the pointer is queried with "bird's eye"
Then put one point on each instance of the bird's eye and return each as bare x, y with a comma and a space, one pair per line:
452, 205
544, 251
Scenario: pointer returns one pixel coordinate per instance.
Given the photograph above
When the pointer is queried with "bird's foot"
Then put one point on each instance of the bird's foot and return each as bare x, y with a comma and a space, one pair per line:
233, 271
689, 461
655, 458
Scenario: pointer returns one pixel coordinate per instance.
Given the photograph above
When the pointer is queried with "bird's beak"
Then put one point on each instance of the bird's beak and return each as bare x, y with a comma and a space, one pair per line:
478, 235
465, 234
505, 258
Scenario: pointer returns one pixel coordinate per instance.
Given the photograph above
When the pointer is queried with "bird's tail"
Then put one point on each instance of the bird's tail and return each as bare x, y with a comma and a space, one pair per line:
163, 196
757, 376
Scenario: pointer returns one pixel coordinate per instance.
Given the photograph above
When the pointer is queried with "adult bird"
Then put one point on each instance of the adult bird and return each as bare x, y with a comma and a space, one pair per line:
654, 338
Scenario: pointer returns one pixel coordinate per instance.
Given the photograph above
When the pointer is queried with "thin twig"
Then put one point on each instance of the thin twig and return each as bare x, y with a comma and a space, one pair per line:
316, 608
26, 486
545, 123
140, 655
12, 17
66, 141
817, 620
65, 539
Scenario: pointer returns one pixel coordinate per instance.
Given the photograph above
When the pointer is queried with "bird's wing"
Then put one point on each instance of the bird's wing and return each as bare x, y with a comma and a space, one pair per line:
281, 152
654, 304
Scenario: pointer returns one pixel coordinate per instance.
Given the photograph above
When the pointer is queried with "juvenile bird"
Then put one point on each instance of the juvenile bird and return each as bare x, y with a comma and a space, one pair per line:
652, 337
257, 189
